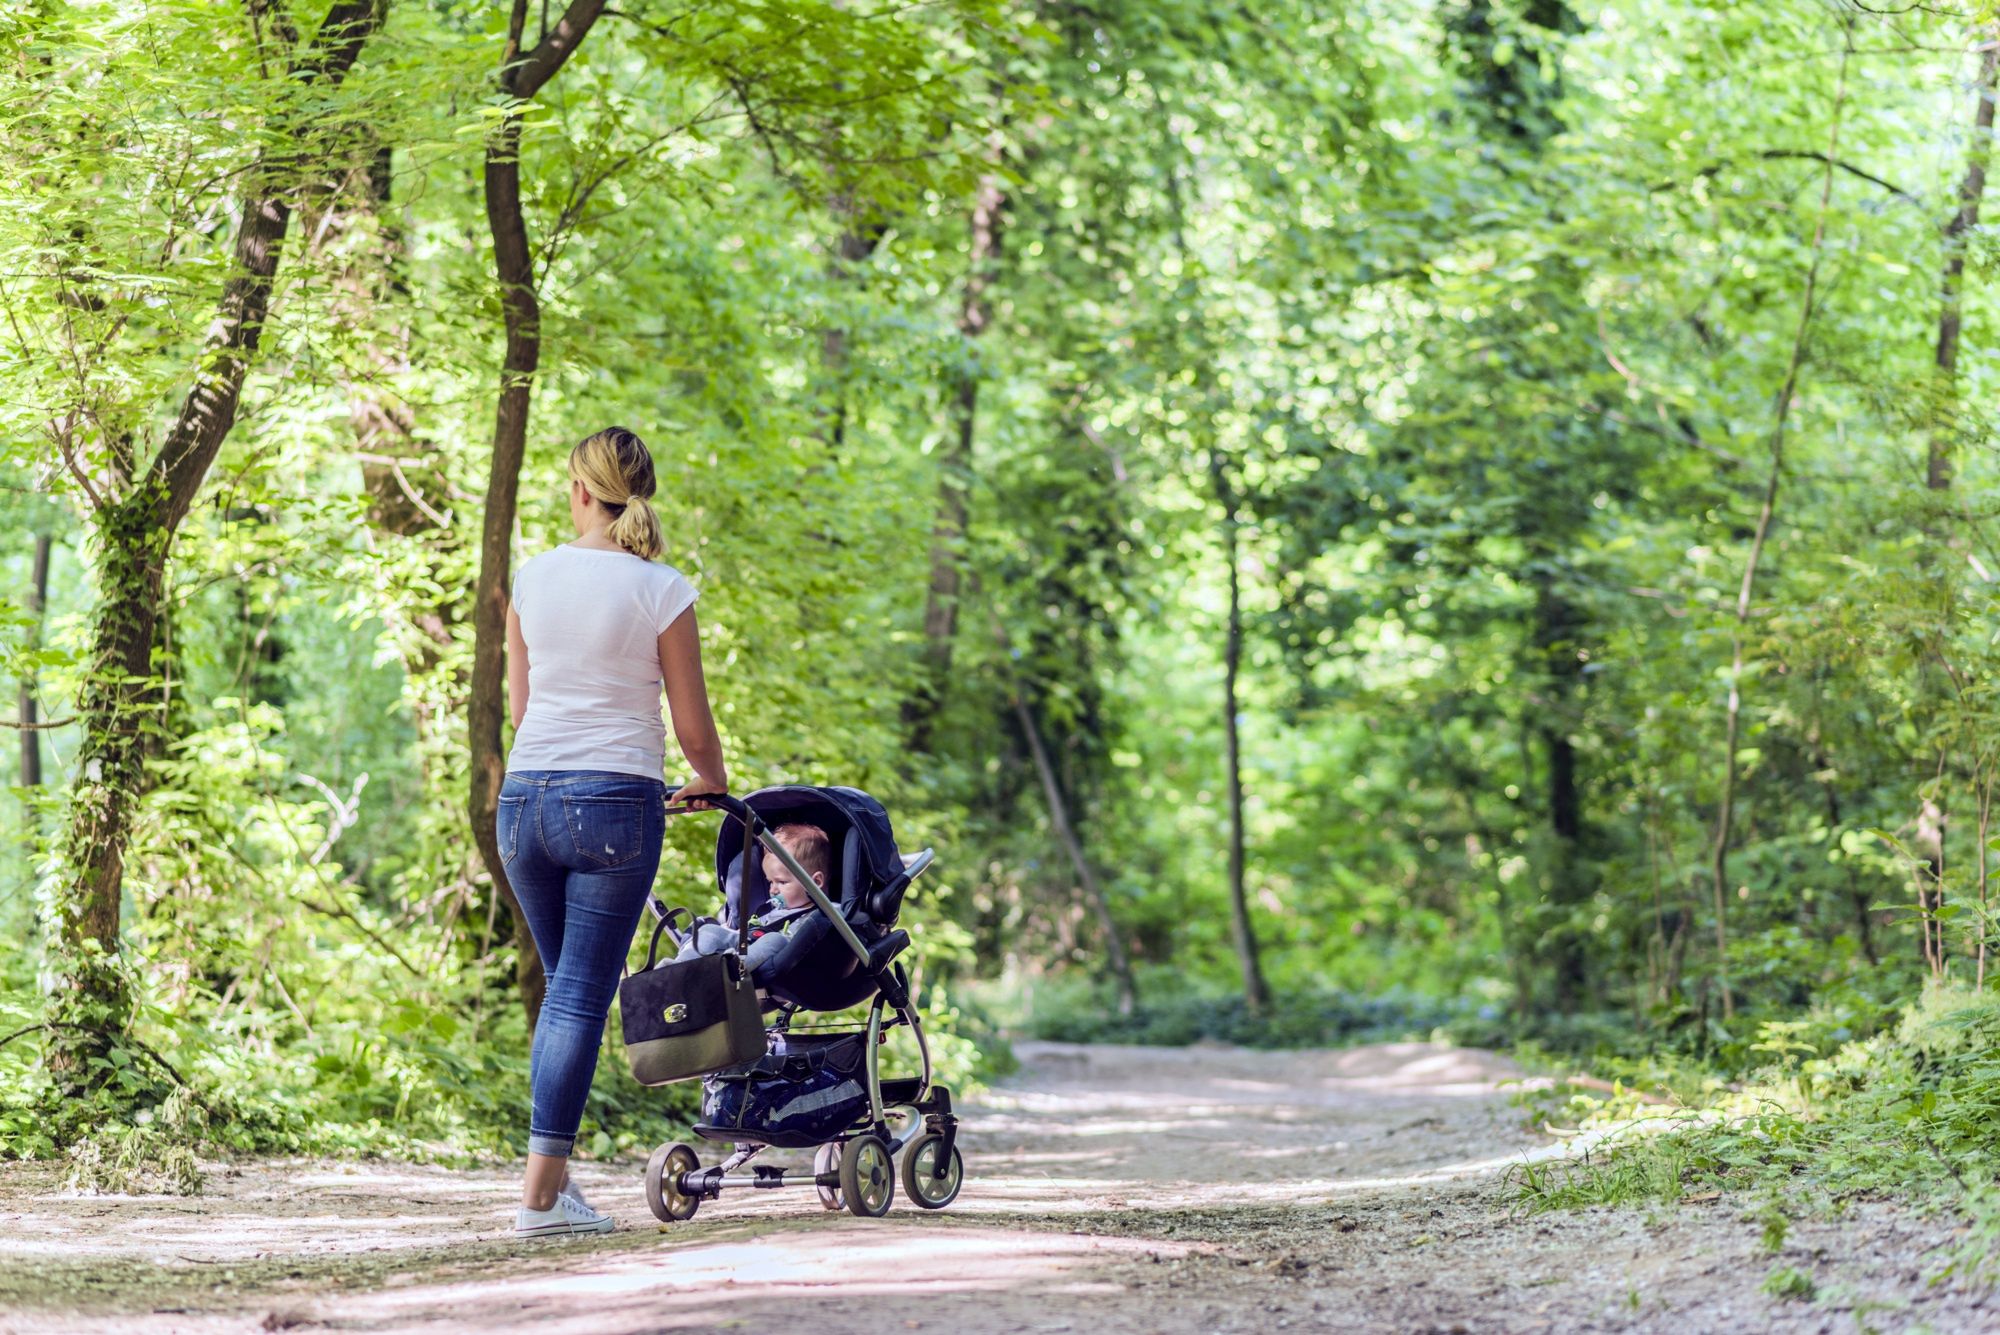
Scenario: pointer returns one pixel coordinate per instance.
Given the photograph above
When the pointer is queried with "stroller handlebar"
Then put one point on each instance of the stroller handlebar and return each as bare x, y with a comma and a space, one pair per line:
711, 802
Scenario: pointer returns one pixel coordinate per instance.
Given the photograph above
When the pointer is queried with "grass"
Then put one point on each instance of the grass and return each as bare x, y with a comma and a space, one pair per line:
1791, 1284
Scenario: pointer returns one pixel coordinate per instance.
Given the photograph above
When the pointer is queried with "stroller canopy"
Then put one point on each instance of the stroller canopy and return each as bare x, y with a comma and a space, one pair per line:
863, 846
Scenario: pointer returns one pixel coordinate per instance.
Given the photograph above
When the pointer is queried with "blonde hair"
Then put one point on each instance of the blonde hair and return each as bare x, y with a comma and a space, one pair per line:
615, 468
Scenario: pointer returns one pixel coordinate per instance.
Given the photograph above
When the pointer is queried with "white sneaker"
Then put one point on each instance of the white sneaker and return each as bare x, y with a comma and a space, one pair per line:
566, 1216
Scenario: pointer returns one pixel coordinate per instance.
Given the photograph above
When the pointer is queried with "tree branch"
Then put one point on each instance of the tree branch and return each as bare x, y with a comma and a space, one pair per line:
540, 65
1806, 155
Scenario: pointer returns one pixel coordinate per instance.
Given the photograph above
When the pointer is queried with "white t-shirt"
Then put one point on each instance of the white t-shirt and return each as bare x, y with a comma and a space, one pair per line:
592, 620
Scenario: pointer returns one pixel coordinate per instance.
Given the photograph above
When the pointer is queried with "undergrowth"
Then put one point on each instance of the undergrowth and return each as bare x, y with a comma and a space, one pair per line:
421, 1087
1911, 1113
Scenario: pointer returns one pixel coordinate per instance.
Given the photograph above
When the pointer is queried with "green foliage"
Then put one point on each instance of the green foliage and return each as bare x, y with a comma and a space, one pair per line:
1913, 1111
1791, 1284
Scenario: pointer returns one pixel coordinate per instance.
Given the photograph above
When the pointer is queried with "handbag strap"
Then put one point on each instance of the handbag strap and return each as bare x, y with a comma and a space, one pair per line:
653, 946
742, 904
743, 884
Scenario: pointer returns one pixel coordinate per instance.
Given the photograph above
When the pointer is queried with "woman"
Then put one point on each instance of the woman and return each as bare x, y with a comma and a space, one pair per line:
596, 626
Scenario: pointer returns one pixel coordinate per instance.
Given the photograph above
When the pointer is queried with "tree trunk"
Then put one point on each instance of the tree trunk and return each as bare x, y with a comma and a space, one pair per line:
1114, 945
90, 1001
1971, 192
955, 469
1984, 920
855, 244
37, 604
1562, 670
1939, 470
513, 264
1256, 993
400, 468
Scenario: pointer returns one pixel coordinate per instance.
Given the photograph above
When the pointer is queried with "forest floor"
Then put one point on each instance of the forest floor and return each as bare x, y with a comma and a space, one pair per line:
1109, 1190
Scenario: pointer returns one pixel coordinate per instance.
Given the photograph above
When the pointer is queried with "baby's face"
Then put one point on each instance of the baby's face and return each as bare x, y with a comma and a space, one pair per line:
783, 884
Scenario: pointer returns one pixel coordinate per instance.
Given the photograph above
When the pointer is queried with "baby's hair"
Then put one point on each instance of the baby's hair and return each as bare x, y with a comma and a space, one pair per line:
809, 844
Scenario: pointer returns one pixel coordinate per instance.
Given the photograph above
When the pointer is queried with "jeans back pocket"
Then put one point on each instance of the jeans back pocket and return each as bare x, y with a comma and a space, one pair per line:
507, 823
607, 831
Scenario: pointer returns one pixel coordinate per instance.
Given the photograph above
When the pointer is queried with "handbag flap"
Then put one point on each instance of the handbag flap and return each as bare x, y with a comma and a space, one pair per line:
679, 997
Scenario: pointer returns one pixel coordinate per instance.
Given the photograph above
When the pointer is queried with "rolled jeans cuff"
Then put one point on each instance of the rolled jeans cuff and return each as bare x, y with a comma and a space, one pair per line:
555, 1147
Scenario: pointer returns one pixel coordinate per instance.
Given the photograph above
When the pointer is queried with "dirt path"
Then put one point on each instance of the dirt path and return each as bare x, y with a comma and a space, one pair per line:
1109, 1190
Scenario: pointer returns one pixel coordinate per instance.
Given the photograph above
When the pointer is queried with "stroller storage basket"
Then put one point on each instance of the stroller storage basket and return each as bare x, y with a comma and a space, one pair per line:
806, 1087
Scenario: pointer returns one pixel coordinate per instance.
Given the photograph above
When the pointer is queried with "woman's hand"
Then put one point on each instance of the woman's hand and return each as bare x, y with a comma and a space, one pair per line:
691, 791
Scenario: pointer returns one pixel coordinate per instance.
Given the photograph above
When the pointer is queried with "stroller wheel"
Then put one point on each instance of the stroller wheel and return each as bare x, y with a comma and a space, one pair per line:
920, 1180
867, 1176
826, 1159
663, 1183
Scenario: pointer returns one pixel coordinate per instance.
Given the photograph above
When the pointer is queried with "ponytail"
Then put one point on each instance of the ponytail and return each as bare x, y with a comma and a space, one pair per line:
617, 470
637, 529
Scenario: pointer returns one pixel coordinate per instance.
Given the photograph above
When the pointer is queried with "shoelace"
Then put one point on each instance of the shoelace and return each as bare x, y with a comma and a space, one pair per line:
577, 1210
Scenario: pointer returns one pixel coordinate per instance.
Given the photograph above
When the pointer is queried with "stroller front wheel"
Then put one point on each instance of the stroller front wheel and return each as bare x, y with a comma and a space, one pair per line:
867, 1176
826, 1159
922, 1182
669, 1203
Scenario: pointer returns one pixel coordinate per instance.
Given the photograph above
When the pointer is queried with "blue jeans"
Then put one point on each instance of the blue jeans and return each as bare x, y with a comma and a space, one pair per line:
581, 850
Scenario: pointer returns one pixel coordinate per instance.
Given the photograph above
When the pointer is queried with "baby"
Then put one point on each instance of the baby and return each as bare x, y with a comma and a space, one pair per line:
787, 906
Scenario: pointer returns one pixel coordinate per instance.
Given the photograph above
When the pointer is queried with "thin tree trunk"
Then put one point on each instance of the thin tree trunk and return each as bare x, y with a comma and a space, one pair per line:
29, 706
400, 467
1929, 840
1939, 470
89, 1003
1114, 945
1971, 192
955, 468
1856, 896
1985, 918
521, 77
1554, 639
1683, 921
1256, 993
857, 241
1782, 409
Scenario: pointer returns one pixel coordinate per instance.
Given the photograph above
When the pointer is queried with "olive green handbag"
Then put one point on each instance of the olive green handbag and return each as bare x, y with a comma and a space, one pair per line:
687, 1018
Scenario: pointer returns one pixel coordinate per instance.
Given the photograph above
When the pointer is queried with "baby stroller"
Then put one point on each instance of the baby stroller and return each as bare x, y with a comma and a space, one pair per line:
819, 1087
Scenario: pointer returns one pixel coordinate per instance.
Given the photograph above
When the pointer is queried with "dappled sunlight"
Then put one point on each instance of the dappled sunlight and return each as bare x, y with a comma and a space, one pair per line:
722, 1282
1090, 1133
219, 1230
378, 1179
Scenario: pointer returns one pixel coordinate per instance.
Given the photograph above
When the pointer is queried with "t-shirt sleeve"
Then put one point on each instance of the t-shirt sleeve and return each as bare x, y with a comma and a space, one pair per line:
673, 597
520, 581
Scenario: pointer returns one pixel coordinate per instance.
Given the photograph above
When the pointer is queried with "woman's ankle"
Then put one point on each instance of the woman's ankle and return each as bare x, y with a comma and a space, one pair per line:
543, 1181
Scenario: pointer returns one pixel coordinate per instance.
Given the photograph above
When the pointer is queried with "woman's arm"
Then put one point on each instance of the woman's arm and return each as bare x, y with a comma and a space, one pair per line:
687, 701
517, 669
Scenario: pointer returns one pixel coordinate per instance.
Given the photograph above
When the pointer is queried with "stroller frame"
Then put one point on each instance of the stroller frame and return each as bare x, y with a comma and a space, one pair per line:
853, 1170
